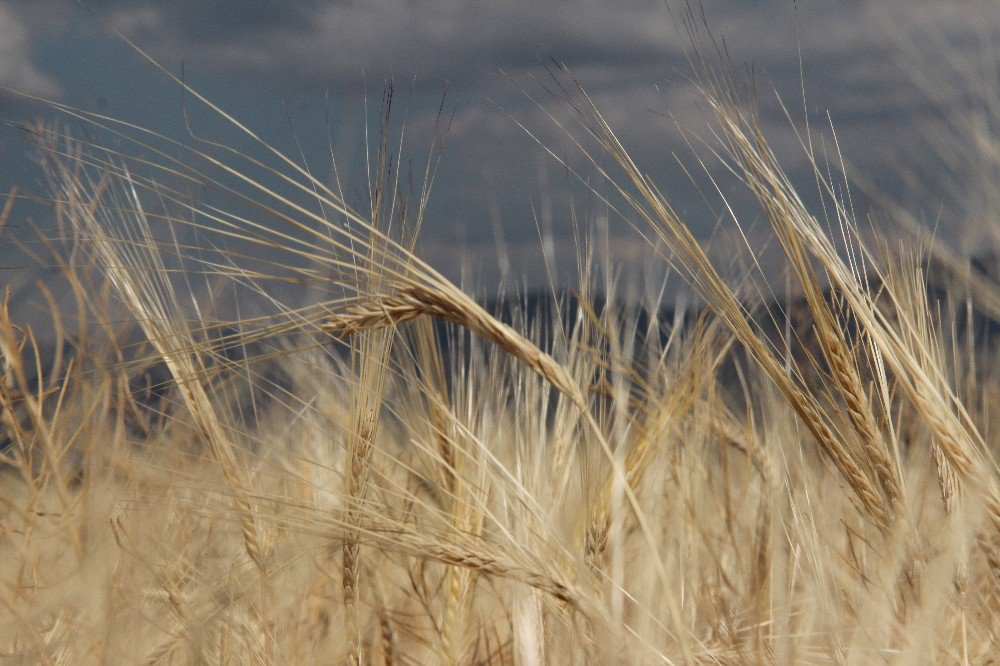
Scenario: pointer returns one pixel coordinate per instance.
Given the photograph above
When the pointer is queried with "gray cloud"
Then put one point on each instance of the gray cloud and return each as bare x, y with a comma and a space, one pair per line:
628, 54
17, 67
331, 43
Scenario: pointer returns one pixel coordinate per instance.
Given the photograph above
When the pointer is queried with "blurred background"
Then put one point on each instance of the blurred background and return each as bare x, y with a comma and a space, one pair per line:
910, 88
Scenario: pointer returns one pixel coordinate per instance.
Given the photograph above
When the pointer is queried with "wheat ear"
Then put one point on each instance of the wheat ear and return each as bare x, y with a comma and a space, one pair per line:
416, 300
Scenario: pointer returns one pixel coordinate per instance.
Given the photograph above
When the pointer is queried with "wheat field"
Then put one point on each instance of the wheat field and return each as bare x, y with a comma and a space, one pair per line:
394, 471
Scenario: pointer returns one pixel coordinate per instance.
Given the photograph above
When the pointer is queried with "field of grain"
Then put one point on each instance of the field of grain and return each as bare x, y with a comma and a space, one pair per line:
392, 472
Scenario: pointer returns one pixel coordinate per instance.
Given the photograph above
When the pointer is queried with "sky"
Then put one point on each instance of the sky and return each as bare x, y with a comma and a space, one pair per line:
900, 82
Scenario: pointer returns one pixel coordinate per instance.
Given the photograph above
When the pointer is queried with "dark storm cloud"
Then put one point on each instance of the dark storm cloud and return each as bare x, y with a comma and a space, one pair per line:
323, 43
196, 20
314, 45
629, 55
330, 43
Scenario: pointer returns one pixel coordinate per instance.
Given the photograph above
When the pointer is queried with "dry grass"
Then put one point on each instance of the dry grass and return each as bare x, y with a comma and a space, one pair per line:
421, 482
